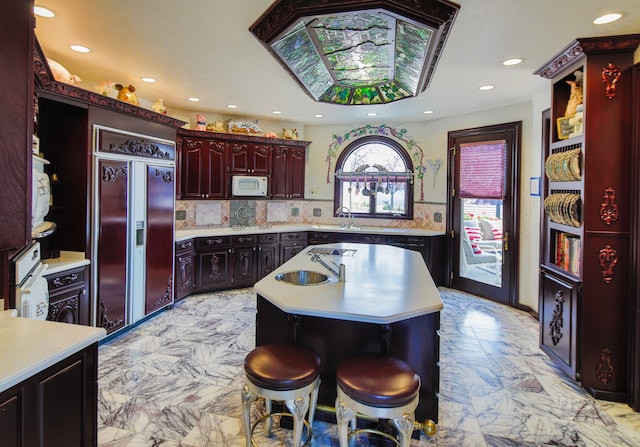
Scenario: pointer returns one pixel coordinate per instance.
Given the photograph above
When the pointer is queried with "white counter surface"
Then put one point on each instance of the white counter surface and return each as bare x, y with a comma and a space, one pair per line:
383, 285
28, 347
223, 231
68, 260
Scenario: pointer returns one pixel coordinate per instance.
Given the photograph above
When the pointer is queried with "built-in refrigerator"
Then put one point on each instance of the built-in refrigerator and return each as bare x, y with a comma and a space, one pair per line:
132, 226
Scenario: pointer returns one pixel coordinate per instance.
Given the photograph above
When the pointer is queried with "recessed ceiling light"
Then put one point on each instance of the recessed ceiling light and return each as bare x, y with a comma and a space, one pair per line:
147, 79
232, 106
41, 11
514, 61
428, 112
193, 99
372, 114
80, 49
486, 87
608, 18
277, 112
318, 115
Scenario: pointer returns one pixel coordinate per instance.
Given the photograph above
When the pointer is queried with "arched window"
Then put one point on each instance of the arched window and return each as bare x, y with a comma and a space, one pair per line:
374, 178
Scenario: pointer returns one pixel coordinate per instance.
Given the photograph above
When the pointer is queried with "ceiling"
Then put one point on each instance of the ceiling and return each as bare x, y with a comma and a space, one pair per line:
203, 48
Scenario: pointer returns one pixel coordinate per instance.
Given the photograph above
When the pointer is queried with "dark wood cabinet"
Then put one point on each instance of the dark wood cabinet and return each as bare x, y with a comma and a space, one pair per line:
56, 407
185, 265
69, 296
244, 254
213, 263
287, 173
249, 158
268, 254
204, 169
586, 218
291, 244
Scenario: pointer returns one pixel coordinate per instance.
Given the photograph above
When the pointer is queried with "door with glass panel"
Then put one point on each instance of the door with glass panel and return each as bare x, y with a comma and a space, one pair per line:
482, 224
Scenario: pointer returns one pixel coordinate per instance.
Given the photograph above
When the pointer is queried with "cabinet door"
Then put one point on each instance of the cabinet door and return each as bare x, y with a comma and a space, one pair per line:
238, 154
295, 170
289, 249
71, 306
268, 255
244, 266
249, 158
215, 177
279, 176
214, 269
185, 274
558, 320
112, 245
159, 243
193, 172
10, 417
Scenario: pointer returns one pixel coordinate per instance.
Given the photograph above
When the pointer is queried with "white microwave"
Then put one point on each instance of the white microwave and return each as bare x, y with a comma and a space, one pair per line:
249, 185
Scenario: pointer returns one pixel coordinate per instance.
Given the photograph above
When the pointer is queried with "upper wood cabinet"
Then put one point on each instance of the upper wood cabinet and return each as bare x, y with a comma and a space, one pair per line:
287, 173
207, 160
249, 158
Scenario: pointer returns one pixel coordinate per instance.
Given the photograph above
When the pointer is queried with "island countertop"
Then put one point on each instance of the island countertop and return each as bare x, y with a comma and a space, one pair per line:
28, 347
383, 284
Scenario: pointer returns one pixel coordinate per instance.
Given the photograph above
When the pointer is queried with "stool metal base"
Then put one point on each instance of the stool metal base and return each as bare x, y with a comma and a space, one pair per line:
271, 415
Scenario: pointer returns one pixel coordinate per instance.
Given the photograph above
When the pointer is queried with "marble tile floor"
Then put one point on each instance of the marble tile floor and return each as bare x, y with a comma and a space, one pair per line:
175, 380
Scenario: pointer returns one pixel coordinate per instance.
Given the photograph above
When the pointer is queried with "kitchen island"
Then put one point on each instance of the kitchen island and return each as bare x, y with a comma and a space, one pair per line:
388, 303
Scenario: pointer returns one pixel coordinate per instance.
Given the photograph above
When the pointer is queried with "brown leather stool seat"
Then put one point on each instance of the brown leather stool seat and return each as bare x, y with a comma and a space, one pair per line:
379, 386
282, 367
378, 380
281, 372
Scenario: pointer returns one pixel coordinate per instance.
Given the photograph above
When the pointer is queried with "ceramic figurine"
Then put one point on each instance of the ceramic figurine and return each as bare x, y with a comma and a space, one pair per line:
240, 125
290, 134
127, 94
201, 122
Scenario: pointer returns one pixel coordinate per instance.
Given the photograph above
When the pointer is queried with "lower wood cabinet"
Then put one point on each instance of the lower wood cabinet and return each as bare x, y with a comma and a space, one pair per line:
213, 260
291, 244
56, 407
69, 297
268, 254
185, 279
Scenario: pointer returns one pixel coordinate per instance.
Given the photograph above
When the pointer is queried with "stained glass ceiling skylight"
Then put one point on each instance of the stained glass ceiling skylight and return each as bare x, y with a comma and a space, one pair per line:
376, 52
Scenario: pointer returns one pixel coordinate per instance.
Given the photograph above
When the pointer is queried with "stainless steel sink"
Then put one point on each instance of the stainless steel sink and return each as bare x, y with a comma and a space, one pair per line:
303, 278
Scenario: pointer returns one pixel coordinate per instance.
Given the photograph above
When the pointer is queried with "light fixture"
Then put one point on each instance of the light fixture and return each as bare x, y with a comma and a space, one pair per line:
513, 61
232, 106
276, 112
80, 49
318, 115
608, 18
41, 11
148, 79
193, 99
428, 112
486, 87
360, 51
372, 114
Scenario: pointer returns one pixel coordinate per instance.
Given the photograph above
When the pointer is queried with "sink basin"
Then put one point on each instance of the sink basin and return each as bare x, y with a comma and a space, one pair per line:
303, 278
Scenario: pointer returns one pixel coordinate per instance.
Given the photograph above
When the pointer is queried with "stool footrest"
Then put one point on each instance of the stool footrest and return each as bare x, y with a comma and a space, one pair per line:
271, 415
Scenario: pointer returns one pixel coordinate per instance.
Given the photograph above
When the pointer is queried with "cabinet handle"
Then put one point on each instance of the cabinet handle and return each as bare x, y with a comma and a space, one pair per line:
65, 280
214, 241
186, 245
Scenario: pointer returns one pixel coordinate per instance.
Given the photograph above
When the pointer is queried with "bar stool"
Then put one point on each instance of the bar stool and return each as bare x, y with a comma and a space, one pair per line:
281, 372
378, 386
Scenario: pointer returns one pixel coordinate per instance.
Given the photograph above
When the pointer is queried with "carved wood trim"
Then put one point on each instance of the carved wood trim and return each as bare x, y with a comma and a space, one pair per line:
608, 260
605, 372
138, 147
556, 324
610, 77
167, 176
105, 321
110, 174
57, 307
166, 298
609, 208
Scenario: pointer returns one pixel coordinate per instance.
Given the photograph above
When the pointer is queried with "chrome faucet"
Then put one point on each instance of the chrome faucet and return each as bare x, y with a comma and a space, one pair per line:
340, 273
348, 220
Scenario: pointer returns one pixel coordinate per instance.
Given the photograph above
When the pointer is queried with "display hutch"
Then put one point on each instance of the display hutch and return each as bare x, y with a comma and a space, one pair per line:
585, 254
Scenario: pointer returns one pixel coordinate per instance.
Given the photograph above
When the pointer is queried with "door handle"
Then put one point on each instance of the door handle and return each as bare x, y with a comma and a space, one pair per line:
505, 241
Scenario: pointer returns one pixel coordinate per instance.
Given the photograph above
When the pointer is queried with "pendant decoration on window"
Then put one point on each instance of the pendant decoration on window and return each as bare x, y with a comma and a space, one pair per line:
609, 208
610, 77
605, 371
608, 260
555, 326
411, 146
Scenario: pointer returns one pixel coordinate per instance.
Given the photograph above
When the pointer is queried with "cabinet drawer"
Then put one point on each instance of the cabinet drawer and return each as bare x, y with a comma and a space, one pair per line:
68, 278
216, 241
292, 237
184, 246
267, 238
318, 237
372, 238
244, 240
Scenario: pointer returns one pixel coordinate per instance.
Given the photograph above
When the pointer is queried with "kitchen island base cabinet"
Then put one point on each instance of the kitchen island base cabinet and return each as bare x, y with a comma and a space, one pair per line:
55, 408
414, 340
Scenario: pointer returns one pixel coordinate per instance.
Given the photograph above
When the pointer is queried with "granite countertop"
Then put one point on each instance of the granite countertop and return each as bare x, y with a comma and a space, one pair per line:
67, 260
223, 231
28, 347
383, 285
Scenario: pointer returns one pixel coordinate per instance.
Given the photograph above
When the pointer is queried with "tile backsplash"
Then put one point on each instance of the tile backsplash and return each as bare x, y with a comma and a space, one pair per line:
230, 213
